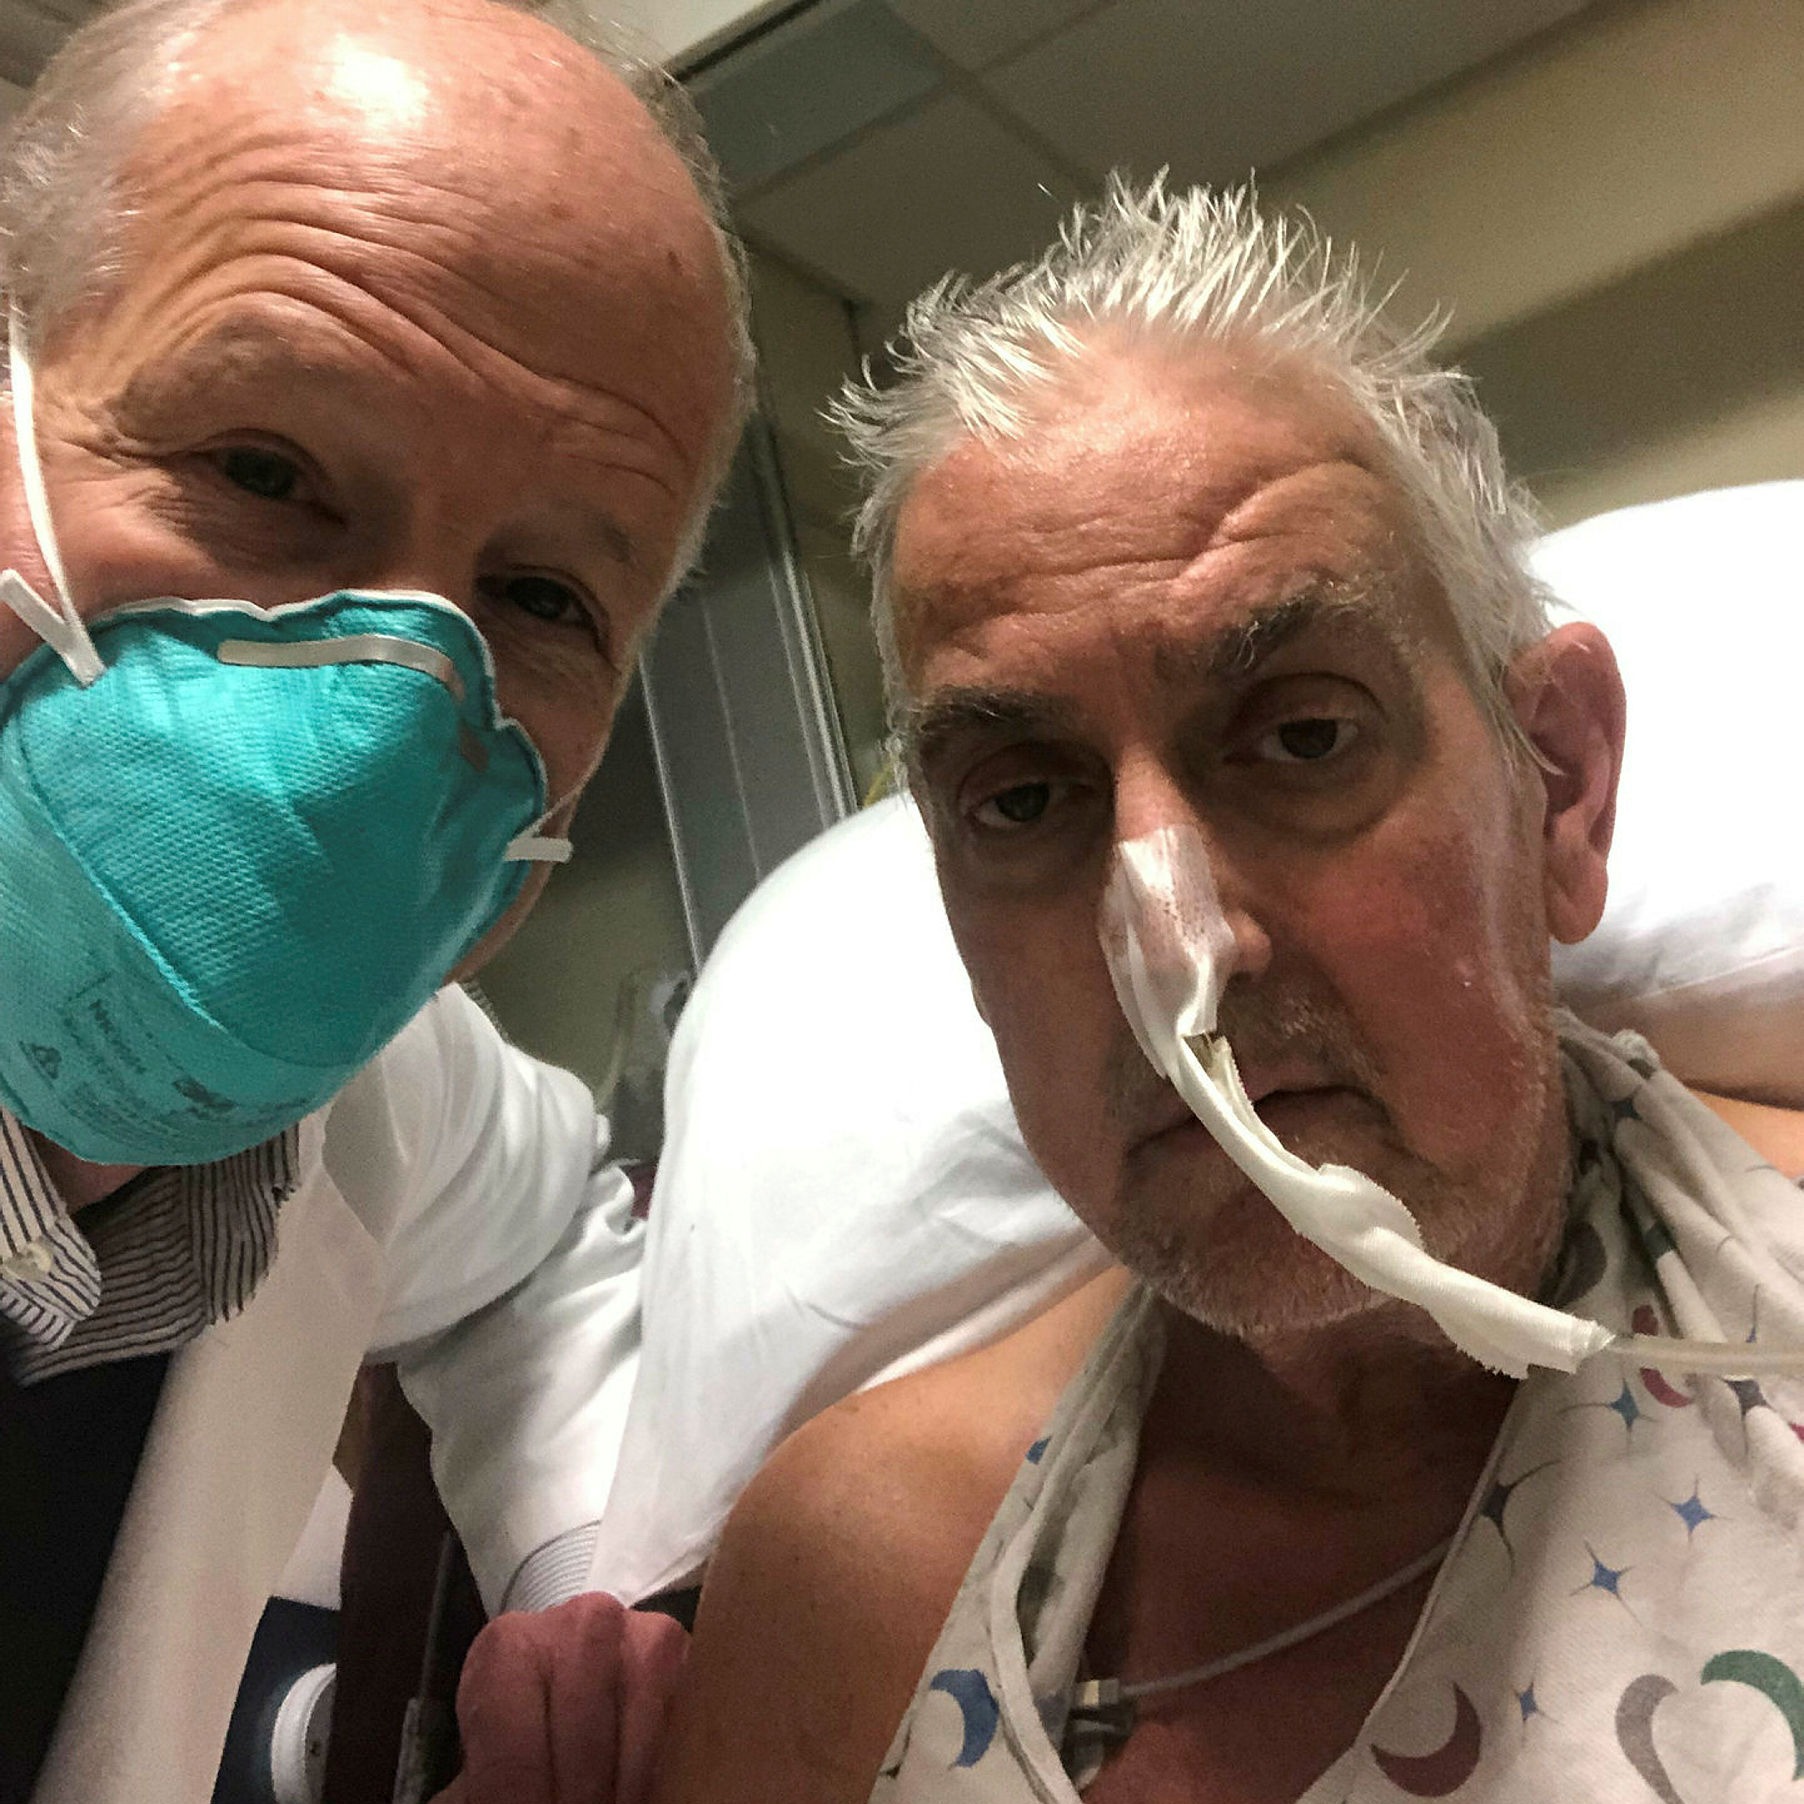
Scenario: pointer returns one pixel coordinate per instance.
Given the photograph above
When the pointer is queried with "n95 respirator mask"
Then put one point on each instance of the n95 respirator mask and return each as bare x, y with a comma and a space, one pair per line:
240, 847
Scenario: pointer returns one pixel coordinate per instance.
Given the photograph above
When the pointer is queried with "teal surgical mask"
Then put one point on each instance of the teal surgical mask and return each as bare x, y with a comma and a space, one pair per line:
240, 847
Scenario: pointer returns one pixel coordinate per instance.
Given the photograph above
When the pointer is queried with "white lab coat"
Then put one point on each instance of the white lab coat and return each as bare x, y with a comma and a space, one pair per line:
455, 1213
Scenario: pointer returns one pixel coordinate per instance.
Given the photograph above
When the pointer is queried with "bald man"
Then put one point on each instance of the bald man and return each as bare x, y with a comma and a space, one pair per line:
409, 331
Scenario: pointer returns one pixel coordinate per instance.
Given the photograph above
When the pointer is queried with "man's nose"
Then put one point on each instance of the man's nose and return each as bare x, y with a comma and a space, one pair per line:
427, 552
1148, 797
423, 576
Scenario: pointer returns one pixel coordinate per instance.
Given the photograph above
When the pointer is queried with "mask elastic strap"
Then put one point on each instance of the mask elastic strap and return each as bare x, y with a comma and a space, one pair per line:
60, 627
537, 848
534, 847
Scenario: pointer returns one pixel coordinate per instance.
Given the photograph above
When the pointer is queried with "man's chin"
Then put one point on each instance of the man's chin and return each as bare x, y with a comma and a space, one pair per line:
1255, 1287
1220, 1251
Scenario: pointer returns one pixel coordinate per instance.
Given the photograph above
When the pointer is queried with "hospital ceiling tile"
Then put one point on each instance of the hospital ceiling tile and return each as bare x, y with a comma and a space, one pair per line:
804, 86
977, 32
1215, 88
946, 188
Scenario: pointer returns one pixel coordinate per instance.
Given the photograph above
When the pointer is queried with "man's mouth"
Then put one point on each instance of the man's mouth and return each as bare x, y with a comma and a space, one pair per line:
1263, 1082
1284, 1103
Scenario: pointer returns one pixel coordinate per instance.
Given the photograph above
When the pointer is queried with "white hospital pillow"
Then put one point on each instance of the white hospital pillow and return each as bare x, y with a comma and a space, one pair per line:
843, 1194
1702, 943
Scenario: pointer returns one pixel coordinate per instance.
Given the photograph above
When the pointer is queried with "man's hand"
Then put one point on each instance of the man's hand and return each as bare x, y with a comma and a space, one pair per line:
566, 1706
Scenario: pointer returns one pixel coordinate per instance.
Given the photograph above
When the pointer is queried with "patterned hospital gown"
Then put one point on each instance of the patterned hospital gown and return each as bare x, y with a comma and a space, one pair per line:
1621, 1617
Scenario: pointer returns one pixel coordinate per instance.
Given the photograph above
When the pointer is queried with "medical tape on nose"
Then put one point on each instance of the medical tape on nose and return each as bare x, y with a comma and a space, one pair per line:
1169, 952
1168, 943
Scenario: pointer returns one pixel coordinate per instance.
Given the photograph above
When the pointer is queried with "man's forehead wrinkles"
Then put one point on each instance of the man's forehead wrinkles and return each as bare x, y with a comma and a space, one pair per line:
556, 389
1229, 654
245, 349
422, 247
1259, 502
240, 351
980, 594
239, 355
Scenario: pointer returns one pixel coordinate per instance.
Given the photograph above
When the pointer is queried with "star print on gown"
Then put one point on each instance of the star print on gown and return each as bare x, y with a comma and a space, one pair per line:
1748, 1394
1497, 1502
1692, 1513
1624, 1405
1607, 1579
1636, 1548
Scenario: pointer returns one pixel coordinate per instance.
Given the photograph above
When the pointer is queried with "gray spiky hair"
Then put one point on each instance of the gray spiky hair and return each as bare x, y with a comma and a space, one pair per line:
1206, 269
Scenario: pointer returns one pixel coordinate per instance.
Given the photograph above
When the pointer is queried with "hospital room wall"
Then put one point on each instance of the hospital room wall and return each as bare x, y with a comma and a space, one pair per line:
1614, 217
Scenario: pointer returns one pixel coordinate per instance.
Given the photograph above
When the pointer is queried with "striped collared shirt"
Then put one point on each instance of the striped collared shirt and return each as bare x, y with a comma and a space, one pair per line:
180, 1248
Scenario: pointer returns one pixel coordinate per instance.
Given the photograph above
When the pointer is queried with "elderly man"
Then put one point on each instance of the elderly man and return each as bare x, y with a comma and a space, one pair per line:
415, 307
1205, 609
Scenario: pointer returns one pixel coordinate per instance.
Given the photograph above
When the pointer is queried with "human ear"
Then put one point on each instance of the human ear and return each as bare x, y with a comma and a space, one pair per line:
1566, 693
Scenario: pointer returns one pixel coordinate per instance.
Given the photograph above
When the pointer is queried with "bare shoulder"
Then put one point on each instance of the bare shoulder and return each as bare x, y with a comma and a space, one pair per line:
840, 1561
1776, 1134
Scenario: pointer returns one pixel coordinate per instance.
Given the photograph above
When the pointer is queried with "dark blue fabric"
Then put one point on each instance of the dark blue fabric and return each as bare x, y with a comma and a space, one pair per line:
69, 1450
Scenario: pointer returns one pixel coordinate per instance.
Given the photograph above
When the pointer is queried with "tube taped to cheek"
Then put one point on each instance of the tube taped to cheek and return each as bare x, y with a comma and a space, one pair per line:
1170, 953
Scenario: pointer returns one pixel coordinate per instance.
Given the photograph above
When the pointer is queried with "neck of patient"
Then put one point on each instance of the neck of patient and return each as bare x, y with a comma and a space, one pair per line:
78, 1182
1382, 1391
1340, 1409
1363, 1398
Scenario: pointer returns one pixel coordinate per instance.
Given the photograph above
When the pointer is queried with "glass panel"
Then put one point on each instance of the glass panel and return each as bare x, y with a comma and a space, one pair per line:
807, 347
748, 749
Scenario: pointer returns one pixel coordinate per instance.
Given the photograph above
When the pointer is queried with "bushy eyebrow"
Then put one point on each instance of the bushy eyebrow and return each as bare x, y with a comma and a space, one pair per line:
1236, 652
1232, 654
948, 714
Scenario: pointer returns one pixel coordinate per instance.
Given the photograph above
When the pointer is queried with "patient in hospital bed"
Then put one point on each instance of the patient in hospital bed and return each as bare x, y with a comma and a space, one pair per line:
1288, 1510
